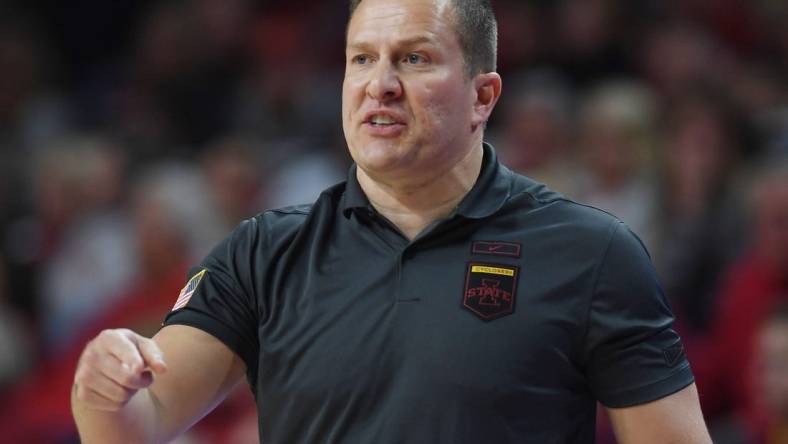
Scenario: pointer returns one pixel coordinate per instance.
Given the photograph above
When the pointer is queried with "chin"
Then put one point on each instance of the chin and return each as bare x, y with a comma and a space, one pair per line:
380, 155
379, 164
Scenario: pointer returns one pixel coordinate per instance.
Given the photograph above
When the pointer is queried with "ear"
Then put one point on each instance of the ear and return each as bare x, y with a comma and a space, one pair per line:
488, 90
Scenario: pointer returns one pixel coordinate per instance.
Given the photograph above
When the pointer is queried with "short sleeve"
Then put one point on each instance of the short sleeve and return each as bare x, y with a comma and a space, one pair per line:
218, 303
632, 354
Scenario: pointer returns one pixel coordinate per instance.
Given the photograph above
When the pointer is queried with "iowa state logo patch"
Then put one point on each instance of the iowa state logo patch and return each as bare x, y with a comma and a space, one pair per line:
490, 290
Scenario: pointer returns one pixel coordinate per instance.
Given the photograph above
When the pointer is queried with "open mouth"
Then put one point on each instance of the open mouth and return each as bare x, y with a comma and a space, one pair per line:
382, 121
382, 118
384, 124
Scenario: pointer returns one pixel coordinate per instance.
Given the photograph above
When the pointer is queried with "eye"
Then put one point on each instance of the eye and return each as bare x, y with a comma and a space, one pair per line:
415, 59
361, 59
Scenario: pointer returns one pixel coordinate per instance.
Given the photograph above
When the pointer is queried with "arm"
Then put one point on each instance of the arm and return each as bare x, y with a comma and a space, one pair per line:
129, 388
673, 419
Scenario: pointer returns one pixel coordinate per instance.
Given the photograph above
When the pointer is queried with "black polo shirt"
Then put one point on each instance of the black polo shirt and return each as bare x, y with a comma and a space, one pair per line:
503, 323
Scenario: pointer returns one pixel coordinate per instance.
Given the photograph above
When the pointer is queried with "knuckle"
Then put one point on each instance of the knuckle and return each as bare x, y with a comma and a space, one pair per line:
134, 366
106, 335
90, 357
127, 380
112, 336
124, 333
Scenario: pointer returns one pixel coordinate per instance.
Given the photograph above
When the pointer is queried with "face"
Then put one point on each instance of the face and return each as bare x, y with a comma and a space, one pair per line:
408, 107
773, 375
771, 220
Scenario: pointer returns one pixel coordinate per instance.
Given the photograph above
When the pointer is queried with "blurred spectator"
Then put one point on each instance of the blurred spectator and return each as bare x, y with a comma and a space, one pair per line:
16, 348
616, 141
301, 180
752, 289
771, 377
522, 33
537, 120
590, 40
174, 217
234, 176
86, 250
168, 225
30, 112
700, 216
760, 94
221, 110
677, 57
773, 15
184, 77
274, 102
269, 99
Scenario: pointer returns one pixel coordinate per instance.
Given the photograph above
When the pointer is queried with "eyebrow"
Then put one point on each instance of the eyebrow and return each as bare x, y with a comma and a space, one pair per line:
361, 45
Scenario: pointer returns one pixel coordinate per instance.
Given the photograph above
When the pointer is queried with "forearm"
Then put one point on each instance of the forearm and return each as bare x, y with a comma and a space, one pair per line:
135, 422
677, 418
125, 393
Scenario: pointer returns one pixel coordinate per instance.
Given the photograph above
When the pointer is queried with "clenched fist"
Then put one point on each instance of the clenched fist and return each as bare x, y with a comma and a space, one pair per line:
114, 366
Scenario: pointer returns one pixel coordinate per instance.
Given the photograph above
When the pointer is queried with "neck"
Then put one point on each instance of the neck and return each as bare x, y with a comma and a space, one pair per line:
413, 205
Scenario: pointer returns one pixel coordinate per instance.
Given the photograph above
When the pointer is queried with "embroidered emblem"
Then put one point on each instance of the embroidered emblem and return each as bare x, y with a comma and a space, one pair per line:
188, 290
673, 354
496, 248
490, 290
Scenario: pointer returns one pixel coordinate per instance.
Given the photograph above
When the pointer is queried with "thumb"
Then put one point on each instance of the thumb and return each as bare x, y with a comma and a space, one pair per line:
152, 355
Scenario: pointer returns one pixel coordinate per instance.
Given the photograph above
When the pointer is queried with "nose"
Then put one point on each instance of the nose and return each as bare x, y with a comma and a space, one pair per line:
384, 85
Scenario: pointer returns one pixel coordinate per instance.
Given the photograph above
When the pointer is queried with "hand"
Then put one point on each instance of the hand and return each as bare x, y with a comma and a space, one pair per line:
114, 366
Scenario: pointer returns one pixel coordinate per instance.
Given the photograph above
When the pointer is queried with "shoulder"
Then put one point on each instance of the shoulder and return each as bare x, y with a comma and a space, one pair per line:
278, 221
277, 224
556, 211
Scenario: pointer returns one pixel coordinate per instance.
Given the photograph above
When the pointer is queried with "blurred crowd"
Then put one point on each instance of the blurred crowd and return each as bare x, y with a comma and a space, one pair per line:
134, 134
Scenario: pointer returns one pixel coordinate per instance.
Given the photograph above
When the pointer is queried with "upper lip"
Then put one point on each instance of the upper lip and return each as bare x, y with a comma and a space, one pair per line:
384, 113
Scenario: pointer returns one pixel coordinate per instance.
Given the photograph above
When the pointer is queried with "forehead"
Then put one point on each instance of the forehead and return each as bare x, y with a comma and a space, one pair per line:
376, 20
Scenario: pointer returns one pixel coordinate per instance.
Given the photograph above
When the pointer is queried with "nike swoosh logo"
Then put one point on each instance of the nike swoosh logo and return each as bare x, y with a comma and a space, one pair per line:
496, 248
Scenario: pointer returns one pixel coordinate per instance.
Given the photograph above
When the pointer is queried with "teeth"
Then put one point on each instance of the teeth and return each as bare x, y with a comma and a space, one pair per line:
382, 120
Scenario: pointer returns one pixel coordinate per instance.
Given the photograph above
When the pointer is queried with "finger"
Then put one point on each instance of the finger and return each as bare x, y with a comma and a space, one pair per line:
152, 355
125, 350
106, 387
113, 369
96, 400
93, 399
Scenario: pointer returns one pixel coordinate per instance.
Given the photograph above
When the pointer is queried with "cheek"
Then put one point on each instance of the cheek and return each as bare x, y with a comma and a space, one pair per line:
353, 87
442, 108
347, 96
349, 102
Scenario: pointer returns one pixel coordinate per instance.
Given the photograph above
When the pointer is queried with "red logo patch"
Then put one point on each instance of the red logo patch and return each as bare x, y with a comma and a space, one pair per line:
490, 290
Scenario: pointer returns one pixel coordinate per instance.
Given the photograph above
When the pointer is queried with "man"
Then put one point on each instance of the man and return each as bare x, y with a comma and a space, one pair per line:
435, 297
769, 420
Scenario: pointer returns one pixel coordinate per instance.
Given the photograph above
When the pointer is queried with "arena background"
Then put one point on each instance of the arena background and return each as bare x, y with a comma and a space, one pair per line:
135, 134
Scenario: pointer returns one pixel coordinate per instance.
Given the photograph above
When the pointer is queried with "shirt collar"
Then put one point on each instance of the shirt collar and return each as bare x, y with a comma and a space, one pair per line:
491, 190
354, 197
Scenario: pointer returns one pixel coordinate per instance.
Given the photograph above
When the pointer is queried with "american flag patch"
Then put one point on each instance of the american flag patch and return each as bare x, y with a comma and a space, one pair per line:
188, 290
